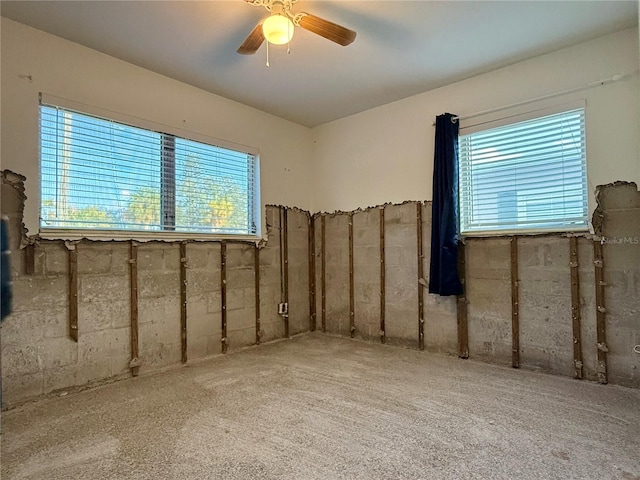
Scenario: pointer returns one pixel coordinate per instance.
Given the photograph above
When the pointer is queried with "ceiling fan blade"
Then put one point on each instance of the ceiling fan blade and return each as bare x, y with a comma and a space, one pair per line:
329, 30
253, 41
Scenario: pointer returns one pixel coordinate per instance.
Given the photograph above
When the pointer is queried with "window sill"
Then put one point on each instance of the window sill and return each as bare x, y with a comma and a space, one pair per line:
142, 237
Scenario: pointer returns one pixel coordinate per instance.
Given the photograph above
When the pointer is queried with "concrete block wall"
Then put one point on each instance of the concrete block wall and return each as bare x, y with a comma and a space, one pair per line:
204, 304
400, 253
337, 274
271, 286
366, 272
158, 304
488, 289
298, 275
38, 354
401, 274
440, 313
619, 208
546, 331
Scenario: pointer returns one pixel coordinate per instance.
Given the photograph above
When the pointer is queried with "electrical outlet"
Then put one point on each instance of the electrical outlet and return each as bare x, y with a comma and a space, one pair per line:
283, 308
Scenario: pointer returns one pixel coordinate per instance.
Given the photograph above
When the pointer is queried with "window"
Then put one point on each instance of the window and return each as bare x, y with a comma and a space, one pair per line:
528, 176
101, 175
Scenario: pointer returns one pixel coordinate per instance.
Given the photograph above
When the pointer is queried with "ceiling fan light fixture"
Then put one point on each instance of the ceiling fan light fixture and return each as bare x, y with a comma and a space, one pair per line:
278, 29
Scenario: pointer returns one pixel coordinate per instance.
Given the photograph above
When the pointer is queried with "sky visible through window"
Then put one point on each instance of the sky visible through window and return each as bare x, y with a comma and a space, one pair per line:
100, 174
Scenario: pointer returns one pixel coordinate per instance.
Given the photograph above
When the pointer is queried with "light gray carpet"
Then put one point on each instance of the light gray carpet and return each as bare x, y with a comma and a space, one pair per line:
320, 407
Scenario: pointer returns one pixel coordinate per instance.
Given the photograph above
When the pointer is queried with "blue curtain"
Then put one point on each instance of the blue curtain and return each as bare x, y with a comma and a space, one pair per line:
443, 276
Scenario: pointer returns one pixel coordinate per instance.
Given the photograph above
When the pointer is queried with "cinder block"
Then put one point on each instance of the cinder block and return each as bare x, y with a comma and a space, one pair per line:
57, 352
272, 215
204, 346
241, 319
94, 258
96, 316
154, 309
489, 338
98, 347
36, 291
17, 259
297, 219
200, 322
621, 195
237, 298
272, 330
103, 288
56, 258
21, 359
17, 388
269, 298
337, 321
587, 308
24, 327
441, 331
241, 277
269, 256
159, 344
66, 376
367, 293
439, 306
401, 286
393, 214
91, 372
119, 258
39, 261
299, 312
546, 252
151, 257
240, 255
241, 338
202, 281
201, 256
401, 234
158, 284
401, 319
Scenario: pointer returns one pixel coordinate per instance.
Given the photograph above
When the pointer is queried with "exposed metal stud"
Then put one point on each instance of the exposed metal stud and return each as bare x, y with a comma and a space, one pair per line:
312, 273
134, 364
420, 276
601, 321
183, 301
461, 306
515, 313
73, 290
256, 266
223, 294
382, 279
323, 271
352, 323
284, 231
30, 259
575, 306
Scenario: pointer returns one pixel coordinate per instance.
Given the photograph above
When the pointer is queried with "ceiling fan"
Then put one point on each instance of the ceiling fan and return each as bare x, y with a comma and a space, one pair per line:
278, 27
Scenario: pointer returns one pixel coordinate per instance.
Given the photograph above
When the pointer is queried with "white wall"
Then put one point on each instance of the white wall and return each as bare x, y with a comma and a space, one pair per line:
381, 155
65, 69
386, 154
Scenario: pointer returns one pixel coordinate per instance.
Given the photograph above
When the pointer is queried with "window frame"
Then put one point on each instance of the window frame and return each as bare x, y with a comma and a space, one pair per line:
167, 234
500, 118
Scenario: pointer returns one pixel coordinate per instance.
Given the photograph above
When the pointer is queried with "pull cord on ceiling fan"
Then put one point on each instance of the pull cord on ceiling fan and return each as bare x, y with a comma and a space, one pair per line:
279, 26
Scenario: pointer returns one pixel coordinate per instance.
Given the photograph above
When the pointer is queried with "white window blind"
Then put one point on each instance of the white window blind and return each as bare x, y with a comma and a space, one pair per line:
98, 174
528, 176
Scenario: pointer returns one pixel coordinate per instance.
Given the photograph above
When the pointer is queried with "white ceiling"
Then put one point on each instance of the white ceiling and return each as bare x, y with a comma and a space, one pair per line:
403, 47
